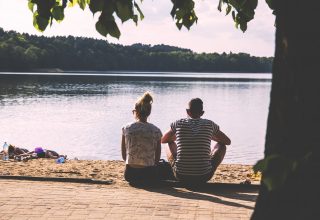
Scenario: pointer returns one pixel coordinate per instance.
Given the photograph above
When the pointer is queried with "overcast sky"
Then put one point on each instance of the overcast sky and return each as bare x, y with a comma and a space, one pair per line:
214, 32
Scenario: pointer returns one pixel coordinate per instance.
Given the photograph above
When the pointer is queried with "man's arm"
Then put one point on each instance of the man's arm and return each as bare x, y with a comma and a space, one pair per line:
123, 148
220, 137
168, 137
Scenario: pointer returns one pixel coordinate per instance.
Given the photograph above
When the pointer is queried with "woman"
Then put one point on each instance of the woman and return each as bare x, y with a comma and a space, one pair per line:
141, 147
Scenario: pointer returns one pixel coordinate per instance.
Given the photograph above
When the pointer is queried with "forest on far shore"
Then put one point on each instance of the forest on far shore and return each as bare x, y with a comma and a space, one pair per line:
24, 52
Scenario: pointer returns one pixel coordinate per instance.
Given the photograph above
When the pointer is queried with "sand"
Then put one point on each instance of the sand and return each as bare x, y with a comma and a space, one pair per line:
111, 170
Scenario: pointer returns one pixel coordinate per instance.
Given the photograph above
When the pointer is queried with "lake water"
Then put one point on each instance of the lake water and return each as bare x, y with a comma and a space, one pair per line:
81, 115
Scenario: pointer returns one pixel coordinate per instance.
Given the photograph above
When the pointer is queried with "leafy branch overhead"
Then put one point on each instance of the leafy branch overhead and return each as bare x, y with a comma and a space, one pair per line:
48, 10
45, 11
183, 12
242, 11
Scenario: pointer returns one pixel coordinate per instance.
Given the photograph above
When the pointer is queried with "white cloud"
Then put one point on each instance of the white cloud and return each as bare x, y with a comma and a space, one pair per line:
214, 32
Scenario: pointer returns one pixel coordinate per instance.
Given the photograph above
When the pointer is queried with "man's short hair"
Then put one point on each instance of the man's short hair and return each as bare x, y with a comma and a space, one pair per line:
196, 106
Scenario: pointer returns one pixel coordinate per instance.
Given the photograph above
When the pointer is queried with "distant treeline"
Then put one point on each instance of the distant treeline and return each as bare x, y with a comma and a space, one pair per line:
24, 52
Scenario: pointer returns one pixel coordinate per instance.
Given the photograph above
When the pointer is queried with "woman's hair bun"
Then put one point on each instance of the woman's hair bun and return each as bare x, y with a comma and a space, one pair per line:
143, 105
147, 98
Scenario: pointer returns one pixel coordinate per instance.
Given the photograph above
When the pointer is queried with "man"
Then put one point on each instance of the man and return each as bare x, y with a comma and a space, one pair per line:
189, 145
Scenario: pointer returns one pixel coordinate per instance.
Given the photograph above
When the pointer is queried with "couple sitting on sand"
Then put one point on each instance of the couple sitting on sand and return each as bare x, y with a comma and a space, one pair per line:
189, 150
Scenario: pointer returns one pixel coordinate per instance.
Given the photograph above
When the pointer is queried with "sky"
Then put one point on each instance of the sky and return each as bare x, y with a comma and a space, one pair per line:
214, 31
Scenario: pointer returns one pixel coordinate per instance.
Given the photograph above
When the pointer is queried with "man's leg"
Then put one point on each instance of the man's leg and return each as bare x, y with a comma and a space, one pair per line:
217, 154
171, 151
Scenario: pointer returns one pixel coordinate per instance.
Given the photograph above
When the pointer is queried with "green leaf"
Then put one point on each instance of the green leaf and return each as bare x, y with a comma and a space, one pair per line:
180, 14
188, 5
101, 29
64, 3
233, 15
106, 25
189, 19
113, 29
44, 8
39, 22
183, 12
275, 169
135, 19
179, 25
58, 13
82, 4
228, 9
109, 8
249, 14
243, 26
236, 4
173, 11
273, 183
248, 9
260, 166
72, 3
30, 5
139, 10
220, 5
96, 5
124, 10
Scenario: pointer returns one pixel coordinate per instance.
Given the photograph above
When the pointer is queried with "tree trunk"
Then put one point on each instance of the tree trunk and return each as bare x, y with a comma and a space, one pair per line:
294, 115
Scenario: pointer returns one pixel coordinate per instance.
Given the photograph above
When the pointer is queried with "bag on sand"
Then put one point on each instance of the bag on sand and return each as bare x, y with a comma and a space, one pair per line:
164, 170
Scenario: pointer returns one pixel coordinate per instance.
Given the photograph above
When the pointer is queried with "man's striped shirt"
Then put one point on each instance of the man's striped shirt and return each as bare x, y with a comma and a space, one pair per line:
194, 145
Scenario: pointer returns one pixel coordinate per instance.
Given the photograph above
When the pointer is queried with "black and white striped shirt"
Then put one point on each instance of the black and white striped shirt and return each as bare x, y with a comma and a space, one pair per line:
193, 145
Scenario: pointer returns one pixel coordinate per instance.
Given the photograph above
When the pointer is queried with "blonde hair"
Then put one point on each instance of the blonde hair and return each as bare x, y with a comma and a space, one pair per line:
143, 106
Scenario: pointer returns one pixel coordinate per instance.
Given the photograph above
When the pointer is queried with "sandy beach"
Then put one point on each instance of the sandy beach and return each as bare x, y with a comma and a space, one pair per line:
110, 170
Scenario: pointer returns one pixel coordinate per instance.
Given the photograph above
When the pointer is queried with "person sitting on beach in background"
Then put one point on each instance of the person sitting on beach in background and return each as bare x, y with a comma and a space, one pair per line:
39, 152
141, 143
189, 145
14, 151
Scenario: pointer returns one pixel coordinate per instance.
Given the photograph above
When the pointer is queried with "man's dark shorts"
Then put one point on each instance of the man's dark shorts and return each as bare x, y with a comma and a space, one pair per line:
190, 179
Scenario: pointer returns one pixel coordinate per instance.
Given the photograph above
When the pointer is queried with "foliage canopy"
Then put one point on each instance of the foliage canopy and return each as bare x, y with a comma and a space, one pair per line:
46, 11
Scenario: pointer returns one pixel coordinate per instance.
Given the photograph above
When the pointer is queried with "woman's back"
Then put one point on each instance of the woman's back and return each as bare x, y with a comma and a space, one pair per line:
141, 140
141, 143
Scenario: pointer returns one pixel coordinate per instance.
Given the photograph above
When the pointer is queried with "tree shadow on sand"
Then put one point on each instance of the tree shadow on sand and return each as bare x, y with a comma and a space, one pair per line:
213, 192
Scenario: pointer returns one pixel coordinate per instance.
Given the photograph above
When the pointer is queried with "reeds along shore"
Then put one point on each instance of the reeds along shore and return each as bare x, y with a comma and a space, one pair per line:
111, 170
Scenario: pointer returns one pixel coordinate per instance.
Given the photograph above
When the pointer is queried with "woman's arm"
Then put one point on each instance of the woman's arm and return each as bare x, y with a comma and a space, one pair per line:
123, 148
158, 152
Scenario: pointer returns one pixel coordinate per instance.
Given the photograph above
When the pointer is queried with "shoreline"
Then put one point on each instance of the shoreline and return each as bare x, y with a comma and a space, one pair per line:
141, 76
105, 170
58, 70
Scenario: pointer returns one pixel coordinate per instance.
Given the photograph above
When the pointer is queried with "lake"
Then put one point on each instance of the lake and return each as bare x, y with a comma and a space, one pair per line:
81, 114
